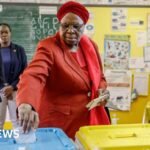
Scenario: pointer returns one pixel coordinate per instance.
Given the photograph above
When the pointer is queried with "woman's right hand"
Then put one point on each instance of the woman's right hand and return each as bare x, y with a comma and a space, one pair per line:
28, 118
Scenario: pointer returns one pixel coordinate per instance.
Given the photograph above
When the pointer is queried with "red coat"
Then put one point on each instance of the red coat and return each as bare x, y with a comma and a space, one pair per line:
57, 88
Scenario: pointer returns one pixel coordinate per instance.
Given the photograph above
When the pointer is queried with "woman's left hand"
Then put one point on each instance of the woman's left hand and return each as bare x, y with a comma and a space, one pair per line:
101, 100
8, 92
102, 92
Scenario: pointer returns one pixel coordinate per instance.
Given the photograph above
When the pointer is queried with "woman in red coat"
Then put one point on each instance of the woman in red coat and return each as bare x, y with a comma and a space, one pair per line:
63, 77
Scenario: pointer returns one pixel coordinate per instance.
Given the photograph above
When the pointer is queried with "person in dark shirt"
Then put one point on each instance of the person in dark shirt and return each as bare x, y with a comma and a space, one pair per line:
1, 72
13, 61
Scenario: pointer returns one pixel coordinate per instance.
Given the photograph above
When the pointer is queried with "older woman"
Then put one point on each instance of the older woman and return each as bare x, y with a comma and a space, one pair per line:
63, 77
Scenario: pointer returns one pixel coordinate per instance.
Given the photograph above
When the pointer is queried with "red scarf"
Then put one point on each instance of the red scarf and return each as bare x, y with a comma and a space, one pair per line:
98, 114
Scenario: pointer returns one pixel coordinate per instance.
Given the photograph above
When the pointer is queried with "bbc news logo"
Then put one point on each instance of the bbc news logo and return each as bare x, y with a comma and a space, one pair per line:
9, 133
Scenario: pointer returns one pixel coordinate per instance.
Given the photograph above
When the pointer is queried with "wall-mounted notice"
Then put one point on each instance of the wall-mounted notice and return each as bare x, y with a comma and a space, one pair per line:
141, 38
124, 2
119, 19
119, 86
1, 8
141, 83
147, 53
116, 51
136, 23
142, 2
47, 10
136, 62
89, 27
148, 29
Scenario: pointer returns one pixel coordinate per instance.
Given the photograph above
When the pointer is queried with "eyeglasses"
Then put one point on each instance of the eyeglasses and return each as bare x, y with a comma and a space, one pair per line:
76, 27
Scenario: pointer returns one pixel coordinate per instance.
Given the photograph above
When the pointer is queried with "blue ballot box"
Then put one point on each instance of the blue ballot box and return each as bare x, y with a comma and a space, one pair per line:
46, 139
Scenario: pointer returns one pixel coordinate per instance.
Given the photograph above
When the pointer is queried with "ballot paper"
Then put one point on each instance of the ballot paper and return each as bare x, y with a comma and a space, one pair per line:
22, 148
25, 138
96, 101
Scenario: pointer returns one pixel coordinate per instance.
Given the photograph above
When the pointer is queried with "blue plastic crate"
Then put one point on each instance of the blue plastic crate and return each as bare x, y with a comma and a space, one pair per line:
47, 139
